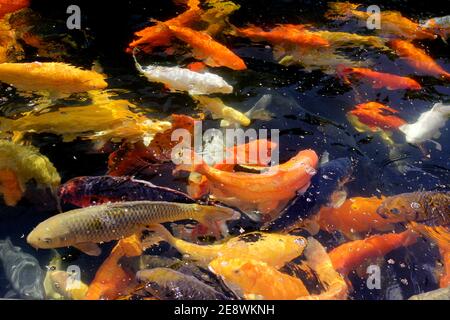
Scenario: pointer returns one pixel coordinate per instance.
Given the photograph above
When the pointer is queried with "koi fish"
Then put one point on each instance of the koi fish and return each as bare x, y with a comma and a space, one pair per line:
273, 249
253, 279
392, 22
168, 284
351, 255
377, 116
427, 126
56, 78
8, 6
205, 48
356, 215
438, 294
159, 36
277, 185
285, 34
216, 15
20, 164
83, 228
351, 40
87, 191
181, 79
232, 116
197, 66
418, 59
101, 121
377, 80
22, 271
429, 207
10, 48
111, 280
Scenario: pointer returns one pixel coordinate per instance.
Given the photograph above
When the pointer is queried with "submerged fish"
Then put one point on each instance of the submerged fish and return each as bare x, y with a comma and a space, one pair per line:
181, 79
8, 6
438, 25
431, 207
56, 78
377, 80
392, 22
267, 192
350, 255
377, 116
168, 284
83, 228
22, 271
418, 59
87, 191
205, 48
21, 164
103, 120
351, 40
273, 249
428, 126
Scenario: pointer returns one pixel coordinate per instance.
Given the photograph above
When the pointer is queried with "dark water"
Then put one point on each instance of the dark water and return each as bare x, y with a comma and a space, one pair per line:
310, 111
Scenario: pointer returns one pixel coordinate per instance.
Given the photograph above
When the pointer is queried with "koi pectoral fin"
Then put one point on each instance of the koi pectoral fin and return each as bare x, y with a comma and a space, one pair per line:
89, 248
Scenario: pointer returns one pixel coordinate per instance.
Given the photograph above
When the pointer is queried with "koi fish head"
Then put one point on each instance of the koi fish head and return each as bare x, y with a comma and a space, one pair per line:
50, 234
400, 208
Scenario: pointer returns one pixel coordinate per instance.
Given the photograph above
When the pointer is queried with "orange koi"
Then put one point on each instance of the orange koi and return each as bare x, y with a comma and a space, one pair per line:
197, 66
418, 59
356, 215
266, 192
9, 6
392, 22
378, 79
159, 36
351, 255
205, 48
289, 34
376, 115
111, 280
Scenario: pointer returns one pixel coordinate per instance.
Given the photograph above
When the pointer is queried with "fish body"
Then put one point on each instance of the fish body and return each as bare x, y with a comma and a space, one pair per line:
111, 280
350, 40
256, 280
85, 227
377, 79
207, 49
168, 284
431, 207
418, 59
54, 77
87, 191
20, 164
276, 185
271, 248
219, 110
283, 34
350, 255
377, 116
438, 25
22, 271
181, 79
438, 294
330, 178
427, 125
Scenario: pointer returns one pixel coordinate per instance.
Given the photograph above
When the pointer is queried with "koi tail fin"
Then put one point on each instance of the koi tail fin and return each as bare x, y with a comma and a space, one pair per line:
439, 235
216, 219
259, 110
159, 234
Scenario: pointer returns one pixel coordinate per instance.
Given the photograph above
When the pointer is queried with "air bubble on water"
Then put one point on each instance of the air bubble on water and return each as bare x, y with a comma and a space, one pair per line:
241, 230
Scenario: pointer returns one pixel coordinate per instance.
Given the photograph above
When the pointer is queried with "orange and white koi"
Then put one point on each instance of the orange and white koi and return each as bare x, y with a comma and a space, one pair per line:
377, 116
377, 79
418, 59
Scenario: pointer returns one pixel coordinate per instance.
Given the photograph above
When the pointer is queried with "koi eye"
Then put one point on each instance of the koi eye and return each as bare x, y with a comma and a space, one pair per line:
395, 211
